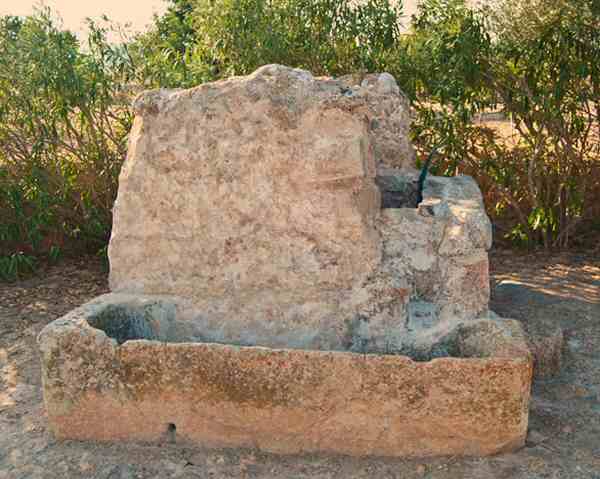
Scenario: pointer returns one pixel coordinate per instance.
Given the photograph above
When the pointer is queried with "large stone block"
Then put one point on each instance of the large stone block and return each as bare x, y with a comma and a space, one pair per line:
255, 198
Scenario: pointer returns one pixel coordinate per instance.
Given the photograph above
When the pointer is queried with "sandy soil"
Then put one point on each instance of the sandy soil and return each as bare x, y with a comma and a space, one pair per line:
564, 439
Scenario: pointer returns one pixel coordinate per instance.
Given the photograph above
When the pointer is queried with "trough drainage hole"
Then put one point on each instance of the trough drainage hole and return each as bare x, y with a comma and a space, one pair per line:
171, 432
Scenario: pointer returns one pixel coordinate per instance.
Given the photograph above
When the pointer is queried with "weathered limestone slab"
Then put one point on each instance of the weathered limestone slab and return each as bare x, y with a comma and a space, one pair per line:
255, 198
388, 114
140, 382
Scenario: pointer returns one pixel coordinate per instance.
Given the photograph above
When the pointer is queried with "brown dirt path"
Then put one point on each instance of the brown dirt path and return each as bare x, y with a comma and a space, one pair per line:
564, 419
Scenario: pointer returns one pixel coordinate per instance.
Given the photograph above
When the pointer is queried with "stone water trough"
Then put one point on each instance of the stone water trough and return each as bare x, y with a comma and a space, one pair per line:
279, 283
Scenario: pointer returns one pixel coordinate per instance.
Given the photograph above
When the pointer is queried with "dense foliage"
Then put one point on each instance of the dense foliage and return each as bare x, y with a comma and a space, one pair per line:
65, 116
202, 40
63, 132
537, 61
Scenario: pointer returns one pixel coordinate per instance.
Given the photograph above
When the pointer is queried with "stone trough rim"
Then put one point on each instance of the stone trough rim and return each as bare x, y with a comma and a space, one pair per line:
77, 320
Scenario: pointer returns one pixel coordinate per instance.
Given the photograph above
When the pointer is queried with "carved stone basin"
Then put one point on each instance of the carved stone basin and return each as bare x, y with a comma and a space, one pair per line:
122, 368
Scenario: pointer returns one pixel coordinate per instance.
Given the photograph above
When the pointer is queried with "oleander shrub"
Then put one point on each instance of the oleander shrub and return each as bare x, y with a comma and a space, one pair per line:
202, 40
64, 120
536, 61
65, 114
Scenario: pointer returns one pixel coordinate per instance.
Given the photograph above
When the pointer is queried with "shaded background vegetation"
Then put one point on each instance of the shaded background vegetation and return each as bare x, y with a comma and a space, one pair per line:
65, 114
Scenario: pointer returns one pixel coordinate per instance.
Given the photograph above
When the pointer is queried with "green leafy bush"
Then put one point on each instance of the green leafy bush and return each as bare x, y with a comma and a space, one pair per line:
65, 116
548, 77
64, 120
165, 56
211, 39
15, 266
330, 37
538, 62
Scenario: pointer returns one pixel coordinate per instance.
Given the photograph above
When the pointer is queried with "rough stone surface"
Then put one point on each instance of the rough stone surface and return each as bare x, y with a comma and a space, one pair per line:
285, 401
441, 246
388, 113
546, 341
255, 199
544, 337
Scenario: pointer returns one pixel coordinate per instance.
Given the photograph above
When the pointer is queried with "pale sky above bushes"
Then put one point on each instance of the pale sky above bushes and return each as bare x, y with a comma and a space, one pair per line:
74, 12
136, 12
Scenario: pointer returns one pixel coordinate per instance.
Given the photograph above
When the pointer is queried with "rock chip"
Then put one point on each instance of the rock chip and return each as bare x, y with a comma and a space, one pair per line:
545, 339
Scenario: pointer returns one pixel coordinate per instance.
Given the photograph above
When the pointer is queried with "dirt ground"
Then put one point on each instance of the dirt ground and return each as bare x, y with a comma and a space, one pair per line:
564, 438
